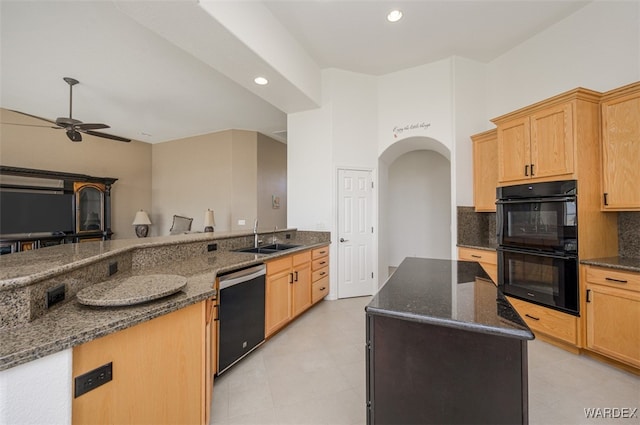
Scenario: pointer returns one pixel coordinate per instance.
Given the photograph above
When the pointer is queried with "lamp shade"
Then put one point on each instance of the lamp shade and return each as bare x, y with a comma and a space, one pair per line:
209, 221
141, 218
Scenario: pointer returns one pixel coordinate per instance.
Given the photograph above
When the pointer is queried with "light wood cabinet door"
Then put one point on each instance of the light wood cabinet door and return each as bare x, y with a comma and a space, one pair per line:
158, 372
514, 156
613, 323
301, 289
485, 170
621, 151
552, 142
277, 300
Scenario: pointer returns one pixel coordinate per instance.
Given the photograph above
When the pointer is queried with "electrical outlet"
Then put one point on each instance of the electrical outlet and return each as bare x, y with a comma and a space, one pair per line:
113, 268
212, 247
93, 379
287, 236
55, 295
242, 222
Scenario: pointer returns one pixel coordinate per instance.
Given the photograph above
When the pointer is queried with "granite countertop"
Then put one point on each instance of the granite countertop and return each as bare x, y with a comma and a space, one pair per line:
620, 263
23, 268
456, 294
73, 324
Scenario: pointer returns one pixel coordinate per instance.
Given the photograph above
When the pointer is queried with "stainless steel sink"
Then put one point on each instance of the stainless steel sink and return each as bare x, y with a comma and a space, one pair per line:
280, 246
268, 249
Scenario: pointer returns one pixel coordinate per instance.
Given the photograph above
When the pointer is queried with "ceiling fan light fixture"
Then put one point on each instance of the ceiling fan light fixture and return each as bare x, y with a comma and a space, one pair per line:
261, 81
394, 15
74, 136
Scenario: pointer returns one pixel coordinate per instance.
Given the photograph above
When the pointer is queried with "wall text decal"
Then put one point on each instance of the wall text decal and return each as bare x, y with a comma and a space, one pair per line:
421, 126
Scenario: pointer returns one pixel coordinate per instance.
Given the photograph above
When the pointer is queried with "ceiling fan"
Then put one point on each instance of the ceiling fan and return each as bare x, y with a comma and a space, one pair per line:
74, 127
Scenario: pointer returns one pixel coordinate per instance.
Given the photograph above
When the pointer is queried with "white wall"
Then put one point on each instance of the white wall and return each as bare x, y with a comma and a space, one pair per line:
419, 198
469, 115
598, 48
420, 95
38, 392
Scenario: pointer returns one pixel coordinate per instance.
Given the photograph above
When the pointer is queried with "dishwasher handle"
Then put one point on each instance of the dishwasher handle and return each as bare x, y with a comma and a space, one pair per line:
243, 275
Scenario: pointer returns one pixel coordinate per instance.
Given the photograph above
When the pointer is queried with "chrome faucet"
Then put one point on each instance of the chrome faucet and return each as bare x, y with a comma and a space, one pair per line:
255, 233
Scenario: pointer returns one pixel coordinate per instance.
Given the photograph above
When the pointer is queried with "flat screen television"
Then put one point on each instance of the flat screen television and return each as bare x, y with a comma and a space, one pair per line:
31, 212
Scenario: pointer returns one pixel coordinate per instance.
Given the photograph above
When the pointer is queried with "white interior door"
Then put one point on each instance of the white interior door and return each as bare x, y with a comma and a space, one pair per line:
355, 233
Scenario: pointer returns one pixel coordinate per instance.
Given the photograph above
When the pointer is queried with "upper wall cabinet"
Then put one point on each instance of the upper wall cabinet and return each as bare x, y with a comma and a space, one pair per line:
539, 143
485, 170
621, 149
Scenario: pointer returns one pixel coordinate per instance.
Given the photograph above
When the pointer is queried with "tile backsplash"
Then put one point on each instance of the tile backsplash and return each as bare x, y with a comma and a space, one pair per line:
629, 234
476, 229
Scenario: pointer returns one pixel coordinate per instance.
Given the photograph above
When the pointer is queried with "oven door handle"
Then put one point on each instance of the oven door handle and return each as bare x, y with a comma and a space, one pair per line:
536, 253
535, 200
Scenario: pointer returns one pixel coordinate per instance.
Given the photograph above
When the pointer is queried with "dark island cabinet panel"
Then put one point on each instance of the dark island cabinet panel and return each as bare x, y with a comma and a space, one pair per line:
424, 374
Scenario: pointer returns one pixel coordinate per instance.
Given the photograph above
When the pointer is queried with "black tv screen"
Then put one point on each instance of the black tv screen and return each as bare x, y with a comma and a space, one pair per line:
26, 212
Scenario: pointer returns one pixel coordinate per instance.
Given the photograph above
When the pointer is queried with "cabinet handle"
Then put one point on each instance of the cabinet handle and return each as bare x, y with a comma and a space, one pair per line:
322, 273
323, 252
290, 277
217, 318
526, 170
476, 256
323, 288
588, 295
531, 317
606, 201
296, 279
323, 262
610, 279
532, 173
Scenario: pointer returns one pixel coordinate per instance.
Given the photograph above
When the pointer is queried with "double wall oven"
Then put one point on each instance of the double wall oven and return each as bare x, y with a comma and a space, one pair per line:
537, 229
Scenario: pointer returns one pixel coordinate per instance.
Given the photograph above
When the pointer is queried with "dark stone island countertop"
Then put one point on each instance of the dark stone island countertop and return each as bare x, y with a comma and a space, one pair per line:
456, 294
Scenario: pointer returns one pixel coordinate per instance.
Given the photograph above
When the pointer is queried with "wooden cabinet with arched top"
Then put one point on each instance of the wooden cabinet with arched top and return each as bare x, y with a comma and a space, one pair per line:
89, 207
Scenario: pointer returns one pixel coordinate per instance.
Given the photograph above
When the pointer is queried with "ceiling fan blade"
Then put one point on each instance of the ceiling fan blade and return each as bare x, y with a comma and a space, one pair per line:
89, 126
74, 136
31, 125
33, 116
106, 136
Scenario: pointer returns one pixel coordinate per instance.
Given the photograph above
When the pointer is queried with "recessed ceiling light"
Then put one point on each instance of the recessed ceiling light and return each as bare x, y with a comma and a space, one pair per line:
394, 16
261, 81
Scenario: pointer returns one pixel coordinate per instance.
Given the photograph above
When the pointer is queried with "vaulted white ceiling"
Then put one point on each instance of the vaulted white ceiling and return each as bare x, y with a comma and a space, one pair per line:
158, 71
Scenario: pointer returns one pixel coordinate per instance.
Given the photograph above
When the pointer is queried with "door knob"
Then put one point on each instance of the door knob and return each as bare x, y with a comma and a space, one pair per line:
344, 240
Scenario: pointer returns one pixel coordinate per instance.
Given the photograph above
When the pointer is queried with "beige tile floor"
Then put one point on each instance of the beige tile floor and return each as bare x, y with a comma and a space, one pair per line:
312, 372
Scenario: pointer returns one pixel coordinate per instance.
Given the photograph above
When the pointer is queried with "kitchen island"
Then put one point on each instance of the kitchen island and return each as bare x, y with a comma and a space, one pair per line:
444, 346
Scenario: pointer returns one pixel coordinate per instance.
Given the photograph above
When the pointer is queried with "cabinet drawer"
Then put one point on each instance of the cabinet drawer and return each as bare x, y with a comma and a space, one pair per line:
320, 263
320, 289
549, 322
323, 251
301, 258
479, 255
276, 266
614, 278
319, 274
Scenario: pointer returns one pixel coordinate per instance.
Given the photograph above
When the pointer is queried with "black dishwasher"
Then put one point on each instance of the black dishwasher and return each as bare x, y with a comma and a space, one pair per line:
241, 314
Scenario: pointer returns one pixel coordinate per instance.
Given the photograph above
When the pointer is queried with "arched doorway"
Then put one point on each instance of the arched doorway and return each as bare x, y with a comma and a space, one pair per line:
414, 211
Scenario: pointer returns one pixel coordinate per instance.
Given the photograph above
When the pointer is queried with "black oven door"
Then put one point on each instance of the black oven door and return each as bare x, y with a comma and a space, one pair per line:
546, 224
545, 279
